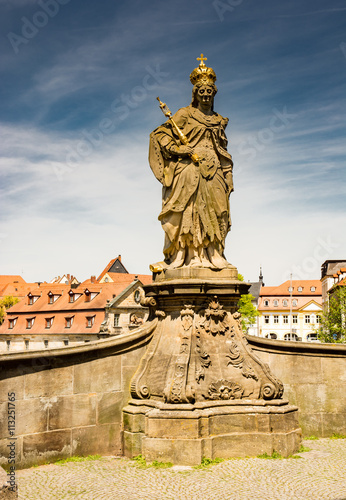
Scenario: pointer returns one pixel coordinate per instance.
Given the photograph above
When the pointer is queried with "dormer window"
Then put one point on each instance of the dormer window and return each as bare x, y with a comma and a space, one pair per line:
87, 295
49, 322
30, 322
300, 289
276, 303
294, 303
90, 321
32, 299
266, 302
313, 289
52, 298
69, 321
284, 303
12, 323
73, 296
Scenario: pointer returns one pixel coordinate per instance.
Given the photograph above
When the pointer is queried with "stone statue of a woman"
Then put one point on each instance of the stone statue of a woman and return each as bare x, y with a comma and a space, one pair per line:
195, 212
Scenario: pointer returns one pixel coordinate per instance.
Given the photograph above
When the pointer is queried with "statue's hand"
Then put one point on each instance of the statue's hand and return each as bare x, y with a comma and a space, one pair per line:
185, 150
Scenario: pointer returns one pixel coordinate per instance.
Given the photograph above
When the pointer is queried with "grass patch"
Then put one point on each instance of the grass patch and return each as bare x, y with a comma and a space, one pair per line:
303, 448
207, 462
63, 461
274, 456
311, 438
141, 461
338, 436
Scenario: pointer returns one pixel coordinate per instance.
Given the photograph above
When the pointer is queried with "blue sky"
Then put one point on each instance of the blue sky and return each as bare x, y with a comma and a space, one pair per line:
79, 81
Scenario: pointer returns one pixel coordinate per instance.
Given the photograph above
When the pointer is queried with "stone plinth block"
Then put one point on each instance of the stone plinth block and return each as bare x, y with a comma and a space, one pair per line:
184, 434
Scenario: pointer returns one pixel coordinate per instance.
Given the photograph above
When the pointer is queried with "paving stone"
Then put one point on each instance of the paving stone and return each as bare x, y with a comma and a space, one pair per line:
319, 474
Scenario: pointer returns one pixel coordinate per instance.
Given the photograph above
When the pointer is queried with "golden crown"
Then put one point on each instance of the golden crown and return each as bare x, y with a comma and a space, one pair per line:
202, 74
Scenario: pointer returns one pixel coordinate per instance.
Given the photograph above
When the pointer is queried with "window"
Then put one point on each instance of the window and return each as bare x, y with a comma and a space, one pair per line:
30, 323
300, 289
307, 318
311, 337
294, 303
276, 303
12, 323
291, 336
8, 344
266, 319
116, 319
266, 302
137, 296
65, 342
295, 319
68, 322
284, 303
26, 344
49, 322
276, 319
285, 319
106, 279
71, 299
46, 344
318, 318
87, 296
271, 336
32, 299
50, 298
313, 289
290, 289
90, 321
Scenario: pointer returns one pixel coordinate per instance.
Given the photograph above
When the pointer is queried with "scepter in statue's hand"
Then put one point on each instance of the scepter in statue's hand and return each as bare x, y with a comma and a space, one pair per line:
183, 139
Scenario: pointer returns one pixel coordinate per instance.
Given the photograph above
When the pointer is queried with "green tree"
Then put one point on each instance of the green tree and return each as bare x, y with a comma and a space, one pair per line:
248, 311
240, 277
5, 303
333, 323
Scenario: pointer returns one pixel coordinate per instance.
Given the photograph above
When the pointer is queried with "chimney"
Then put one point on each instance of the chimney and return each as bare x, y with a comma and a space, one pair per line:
92, 279
119, 258
69, 277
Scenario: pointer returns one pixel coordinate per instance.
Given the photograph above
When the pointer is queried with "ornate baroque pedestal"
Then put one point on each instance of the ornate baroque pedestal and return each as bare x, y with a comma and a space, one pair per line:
199, 389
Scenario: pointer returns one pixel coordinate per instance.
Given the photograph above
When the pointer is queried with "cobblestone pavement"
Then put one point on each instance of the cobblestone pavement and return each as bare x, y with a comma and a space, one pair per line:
319, 475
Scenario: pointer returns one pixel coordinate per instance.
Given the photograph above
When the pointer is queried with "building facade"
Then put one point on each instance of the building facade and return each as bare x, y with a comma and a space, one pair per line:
61, 314
290, 311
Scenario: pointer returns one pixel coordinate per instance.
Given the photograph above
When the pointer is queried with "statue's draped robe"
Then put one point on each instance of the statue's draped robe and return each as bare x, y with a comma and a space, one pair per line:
195, 208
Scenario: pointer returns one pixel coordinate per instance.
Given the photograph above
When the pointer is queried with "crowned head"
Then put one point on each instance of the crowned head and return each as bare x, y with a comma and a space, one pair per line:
202, 77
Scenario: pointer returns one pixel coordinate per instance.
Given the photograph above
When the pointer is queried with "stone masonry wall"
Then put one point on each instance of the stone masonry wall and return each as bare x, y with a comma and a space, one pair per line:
69, 401
314, 377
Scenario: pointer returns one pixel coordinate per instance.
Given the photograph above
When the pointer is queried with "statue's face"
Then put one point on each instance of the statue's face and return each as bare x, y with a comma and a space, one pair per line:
205, 95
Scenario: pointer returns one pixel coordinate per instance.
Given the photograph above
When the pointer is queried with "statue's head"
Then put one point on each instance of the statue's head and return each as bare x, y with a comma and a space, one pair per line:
203, 81
201, 89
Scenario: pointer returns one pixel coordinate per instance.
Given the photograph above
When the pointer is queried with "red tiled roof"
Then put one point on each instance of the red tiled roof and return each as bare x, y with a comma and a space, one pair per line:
282, 290
11, 278
79, 324
62, 308
146, 279
16, 289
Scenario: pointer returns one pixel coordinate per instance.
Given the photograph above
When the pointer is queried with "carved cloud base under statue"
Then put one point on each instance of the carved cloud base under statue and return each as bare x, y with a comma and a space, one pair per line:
199, 389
